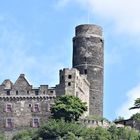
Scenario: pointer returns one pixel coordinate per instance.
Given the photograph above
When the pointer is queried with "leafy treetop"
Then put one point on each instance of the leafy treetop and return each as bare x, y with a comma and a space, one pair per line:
70, 108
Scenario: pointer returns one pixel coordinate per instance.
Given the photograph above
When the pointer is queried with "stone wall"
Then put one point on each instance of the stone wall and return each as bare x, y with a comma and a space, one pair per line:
22, 106
88, 59
73, 83
95, 123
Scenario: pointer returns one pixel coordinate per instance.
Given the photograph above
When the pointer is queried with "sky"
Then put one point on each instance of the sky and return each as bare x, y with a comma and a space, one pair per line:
36, 39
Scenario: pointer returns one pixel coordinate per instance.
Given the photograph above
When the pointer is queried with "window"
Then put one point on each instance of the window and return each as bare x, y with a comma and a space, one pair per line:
28, 92
35, 122
85, 59
8, 108
36, 108
9, 123
69, 76
17, 92
30, 105
69, 83
36, 92
8, 92
51, 91
62, 77
85, 71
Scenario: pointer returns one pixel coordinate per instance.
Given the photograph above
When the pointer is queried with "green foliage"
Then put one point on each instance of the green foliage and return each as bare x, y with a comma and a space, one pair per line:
62, 130
2, 137
123, 133
71, 136
119, 119
68, 107
113, 132
59, 128
136, 117
128, 134
98, 133
137, 102
24, 135
101, 134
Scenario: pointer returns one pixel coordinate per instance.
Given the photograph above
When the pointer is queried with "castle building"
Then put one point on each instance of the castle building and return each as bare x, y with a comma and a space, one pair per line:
88, 59
23, 106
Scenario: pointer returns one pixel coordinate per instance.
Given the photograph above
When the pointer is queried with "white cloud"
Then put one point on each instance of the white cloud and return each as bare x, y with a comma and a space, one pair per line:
124, 14
132, 95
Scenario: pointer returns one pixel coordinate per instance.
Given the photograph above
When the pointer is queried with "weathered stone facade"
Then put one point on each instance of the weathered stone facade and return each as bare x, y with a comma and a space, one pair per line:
88, 59
22, 105
73, 83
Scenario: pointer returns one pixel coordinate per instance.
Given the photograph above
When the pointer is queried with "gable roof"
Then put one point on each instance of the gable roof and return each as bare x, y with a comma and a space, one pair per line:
22, 82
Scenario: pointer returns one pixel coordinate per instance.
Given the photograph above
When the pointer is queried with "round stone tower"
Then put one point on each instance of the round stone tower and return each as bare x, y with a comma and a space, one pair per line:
88, 59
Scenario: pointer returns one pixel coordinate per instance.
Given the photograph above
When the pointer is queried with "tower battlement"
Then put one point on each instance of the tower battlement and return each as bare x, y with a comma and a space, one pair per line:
88, 29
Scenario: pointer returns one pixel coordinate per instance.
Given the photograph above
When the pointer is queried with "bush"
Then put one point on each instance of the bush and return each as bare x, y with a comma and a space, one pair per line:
59, 128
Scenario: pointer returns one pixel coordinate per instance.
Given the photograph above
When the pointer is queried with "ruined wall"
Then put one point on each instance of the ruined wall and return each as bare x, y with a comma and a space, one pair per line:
22, 106
73, 83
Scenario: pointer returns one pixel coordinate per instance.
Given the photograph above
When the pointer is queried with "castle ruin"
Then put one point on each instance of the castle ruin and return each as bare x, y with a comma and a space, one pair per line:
23, 106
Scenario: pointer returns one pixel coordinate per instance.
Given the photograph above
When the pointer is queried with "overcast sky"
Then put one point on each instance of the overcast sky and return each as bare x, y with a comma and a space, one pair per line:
36, 39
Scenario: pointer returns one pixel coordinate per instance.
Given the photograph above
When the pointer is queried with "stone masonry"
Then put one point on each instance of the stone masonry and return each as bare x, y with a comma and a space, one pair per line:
23, 106
73, 83
88, 59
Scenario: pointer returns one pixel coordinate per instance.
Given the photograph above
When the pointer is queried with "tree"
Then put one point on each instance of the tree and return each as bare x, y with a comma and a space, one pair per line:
24, 135
71, 136
136, 117
59, 128
68, 107
119, 119
113, 132
136, 104
2, 137
98, 133
128, 134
